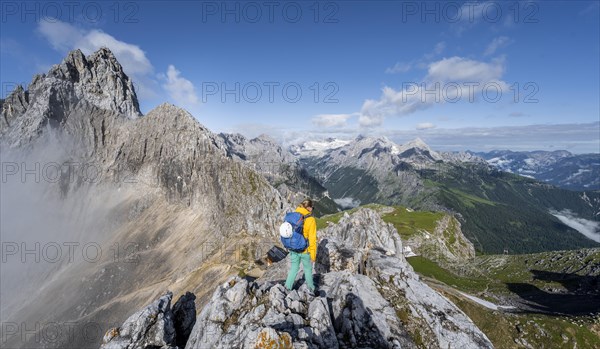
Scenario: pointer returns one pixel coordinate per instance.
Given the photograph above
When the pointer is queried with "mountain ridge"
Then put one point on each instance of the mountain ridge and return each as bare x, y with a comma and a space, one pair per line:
161, 189
369, 296
483, 198
559, 167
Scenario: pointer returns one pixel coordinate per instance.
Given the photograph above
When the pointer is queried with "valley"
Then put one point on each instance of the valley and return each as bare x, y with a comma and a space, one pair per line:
542, 300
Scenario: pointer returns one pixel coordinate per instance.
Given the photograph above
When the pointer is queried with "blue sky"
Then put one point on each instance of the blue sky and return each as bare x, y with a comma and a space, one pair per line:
362, 67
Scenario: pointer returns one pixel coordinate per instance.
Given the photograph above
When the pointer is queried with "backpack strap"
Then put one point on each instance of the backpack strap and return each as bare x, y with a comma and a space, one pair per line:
301, 220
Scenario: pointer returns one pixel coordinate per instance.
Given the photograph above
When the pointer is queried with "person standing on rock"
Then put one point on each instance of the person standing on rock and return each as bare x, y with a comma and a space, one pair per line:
309, 255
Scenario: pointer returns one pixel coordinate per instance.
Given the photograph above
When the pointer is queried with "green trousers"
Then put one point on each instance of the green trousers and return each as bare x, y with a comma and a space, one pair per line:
306, 264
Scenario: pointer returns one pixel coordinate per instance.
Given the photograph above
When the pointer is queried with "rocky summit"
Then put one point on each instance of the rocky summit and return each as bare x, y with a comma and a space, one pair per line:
98, 80
368, 297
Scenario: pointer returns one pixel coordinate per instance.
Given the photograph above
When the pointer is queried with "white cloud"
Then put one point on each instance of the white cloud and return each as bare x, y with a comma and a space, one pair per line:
496, 44
132, 58
64, 37
459, 69
331, 120
425, 126
347, 202
494, 14
448, 80
586, 227
437, 50
371, 114
399, 67
180, 89
439, 47
370, 120
403, 67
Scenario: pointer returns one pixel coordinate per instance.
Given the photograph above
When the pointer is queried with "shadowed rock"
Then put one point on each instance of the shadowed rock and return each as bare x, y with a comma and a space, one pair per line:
156, 326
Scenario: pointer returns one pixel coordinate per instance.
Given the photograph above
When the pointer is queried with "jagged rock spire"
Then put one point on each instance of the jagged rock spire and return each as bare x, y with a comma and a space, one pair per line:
99, 79
68, 89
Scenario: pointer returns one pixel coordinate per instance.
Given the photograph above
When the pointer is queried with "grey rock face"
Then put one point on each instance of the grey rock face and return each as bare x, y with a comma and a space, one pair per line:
277, 165
462, 156
263, 311
396, 280
438, 320
99, 79
16, 104
365, 229
152, 326
265, 153
50, 98
389, 173
364, 284
175, 196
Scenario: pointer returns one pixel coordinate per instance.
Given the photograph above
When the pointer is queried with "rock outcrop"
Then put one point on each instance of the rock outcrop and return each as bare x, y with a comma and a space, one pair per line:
445, 244
156, 326
368, 297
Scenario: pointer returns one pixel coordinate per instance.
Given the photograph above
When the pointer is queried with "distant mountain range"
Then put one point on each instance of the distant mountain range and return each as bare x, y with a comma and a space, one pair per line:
560, 167
279, 167
498, 210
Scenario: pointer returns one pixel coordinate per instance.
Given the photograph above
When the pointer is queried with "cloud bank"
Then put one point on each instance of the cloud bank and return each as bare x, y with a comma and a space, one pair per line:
347, 202
586, 227
331, 120
448, 80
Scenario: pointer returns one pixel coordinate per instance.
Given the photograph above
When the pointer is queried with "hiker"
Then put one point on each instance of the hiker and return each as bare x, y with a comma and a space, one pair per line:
309, 255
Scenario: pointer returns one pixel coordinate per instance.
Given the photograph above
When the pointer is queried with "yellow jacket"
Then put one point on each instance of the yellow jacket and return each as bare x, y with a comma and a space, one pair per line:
310, 233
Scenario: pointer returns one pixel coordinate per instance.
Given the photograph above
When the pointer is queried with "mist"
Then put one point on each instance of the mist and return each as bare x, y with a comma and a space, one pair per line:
590, 229
53, 217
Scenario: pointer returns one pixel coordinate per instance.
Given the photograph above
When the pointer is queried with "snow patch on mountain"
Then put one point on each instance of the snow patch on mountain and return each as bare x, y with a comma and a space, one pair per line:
560, 168
413, 151
317, 148
578, 173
